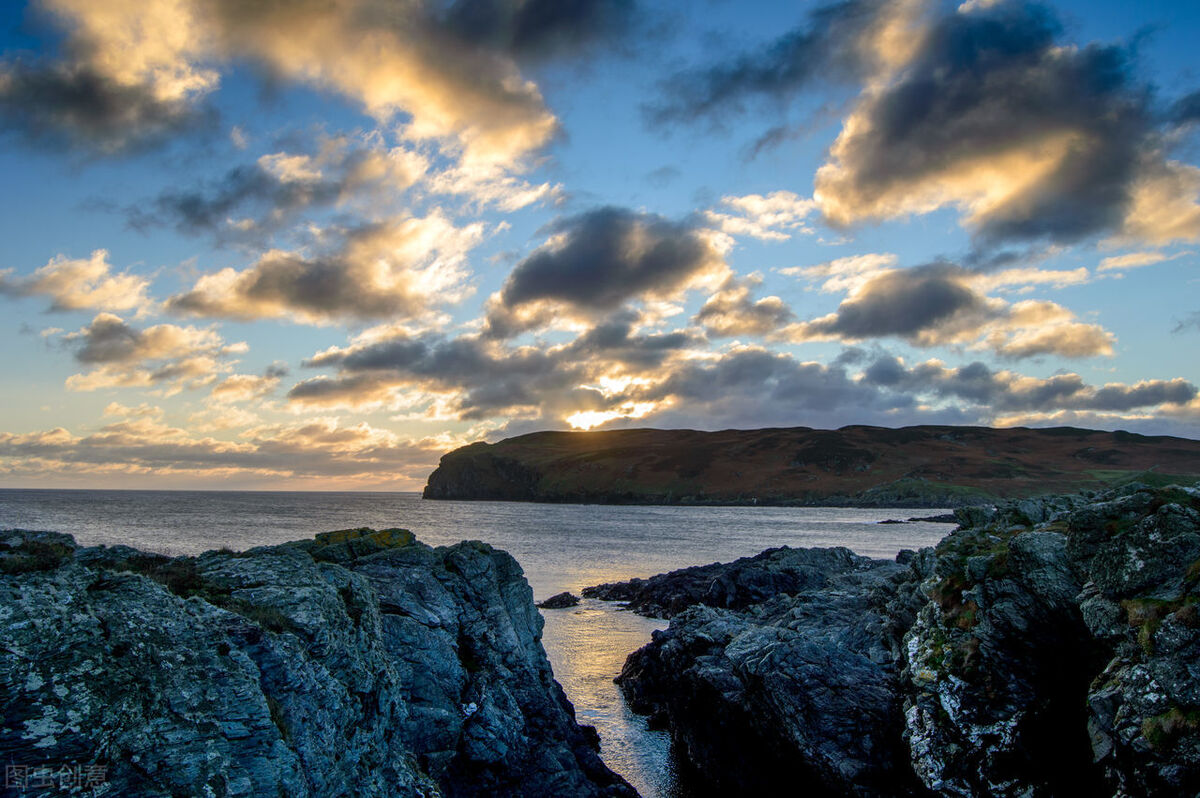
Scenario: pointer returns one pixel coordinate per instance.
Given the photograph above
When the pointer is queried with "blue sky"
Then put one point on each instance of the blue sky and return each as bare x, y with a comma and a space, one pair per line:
316, 245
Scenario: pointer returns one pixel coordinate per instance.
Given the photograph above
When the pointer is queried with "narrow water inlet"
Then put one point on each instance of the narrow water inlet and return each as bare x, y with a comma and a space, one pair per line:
587, 645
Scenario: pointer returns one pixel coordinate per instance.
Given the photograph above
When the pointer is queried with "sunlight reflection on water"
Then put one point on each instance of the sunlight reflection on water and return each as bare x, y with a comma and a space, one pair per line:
561, 547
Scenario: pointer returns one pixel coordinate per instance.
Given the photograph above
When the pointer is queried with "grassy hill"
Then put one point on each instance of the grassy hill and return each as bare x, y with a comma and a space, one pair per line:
925, 466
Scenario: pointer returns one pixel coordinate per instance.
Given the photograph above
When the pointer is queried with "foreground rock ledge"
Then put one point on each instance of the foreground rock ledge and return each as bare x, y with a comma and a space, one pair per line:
360, 663
1047, 648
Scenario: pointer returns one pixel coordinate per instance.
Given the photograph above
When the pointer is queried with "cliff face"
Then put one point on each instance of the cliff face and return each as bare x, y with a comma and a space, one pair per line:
866, 466
360, 663
1049, 648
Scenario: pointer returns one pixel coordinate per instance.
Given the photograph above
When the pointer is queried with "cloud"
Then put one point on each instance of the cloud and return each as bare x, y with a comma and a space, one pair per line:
450, 69
538, 28
1136, 260
613, 375
1002, 392
131, 76
250, 201
943, 304
78, 284
1029, 137
474, 377
840, 41
598, 260
244, 387
480, 377
145, 447
732, 311
165, 354
1164, 204
1186, 110
402, 267
74, 105
774, 217
1192, 321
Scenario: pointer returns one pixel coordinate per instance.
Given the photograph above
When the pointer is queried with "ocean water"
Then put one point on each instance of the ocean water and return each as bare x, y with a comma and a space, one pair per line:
560, 547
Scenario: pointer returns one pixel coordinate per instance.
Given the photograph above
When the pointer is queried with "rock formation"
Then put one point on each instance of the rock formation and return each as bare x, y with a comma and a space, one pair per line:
559, 601
1050, 647
360, 663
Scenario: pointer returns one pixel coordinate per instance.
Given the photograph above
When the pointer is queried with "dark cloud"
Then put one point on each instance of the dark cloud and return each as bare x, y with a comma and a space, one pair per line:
479, 378
120, 354
1005, 392
377, 270
614, 340
209, 207
598, 260
134, 71
826, 47
990, 84
276, 370
251, 201
109, 340
486, 378
944, 304
1186, 110
538, 28
75, 106
1191, 322
904, 303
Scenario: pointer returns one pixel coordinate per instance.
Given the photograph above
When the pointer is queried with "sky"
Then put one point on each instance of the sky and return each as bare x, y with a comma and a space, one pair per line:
316, 244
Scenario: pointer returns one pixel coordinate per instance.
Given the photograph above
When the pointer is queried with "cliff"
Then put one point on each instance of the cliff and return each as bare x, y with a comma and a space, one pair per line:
1046, 648
927, 466
360, 663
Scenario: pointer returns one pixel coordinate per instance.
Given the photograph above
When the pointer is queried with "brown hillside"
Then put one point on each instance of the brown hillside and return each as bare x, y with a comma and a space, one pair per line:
913, 466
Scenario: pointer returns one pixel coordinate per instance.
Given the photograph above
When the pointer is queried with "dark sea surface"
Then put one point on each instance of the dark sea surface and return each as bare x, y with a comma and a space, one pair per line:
560, 546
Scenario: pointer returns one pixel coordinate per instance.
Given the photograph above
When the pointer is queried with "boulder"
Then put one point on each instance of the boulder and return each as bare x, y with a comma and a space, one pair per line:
559, 601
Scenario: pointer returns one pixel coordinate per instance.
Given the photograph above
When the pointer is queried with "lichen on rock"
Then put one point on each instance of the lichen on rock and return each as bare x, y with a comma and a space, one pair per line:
335, 666
1046, 647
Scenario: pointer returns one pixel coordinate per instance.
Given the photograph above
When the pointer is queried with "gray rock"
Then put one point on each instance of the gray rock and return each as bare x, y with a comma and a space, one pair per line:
1046, 647
559, 601
359, 663
734, 585
797, 690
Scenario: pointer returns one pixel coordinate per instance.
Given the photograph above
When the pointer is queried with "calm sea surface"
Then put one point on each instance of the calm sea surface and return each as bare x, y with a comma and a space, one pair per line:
561, 547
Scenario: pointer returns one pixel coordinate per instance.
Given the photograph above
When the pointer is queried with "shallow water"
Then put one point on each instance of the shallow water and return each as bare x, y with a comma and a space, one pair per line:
561, 547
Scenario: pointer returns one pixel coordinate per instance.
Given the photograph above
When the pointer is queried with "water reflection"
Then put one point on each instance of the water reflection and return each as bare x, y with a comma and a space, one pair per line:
588, 646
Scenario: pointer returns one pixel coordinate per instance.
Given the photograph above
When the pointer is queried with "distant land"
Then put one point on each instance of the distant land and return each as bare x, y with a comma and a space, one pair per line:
924, 466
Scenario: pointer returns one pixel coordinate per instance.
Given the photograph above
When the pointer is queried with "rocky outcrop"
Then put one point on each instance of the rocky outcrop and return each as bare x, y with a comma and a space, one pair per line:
925, 466
735, 585
360, 663
785, 692
559, 601
1046, 648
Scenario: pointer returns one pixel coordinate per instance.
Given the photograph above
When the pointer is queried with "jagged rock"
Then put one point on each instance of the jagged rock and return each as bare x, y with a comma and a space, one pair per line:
797, 690
735, 585
360, 663
559, 601
1047, 647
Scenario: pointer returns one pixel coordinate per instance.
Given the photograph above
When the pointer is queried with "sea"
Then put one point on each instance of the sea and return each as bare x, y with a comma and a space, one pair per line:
560, 547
